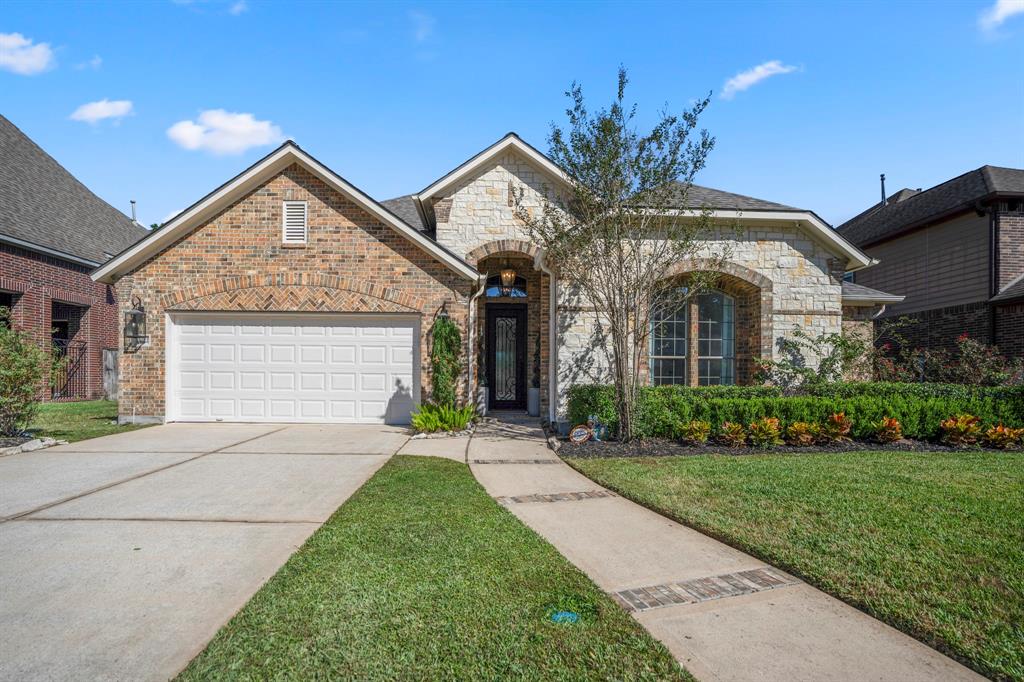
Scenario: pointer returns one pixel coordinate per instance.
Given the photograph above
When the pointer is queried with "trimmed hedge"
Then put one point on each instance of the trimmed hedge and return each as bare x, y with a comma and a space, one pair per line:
662, 411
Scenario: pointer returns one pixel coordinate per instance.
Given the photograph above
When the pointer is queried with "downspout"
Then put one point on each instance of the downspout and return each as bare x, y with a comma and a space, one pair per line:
470, 338
538, 262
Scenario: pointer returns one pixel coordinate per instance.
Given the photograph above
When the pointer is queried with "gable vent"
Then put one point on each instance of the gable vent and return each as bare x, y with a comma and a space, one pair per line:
295, 227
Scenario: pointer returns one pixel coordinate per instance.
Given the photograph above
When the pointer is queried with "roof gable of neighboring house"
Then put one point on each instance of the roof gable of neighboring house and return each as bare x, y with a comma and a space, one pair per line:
911, 210
287, 154
42, 205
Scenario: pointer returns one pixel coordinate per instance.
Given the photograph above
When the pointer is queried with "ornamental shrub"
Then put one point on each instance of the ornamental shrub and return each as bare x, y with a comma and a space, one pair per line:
1003, 437
430, 418
803, 434
696, 432
21, 376
961, 430
445, 352
888, 430
836, 429
765, 432
732, 434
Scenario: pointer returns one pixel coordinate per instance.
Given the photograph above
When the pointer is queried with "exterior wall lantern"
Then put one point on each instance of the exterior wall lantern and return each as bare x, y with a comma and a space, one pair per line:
135, 327
508, 280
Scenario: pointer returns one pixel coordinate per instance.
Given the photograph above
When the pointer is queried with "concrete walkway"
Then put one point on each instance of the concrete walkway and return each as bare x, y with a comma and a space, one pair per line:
122, 556
723, 614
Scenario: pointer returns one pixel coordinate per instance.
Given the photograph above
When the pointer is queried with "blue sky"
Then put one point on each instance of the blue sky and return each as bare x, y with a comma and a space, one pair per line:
393, 95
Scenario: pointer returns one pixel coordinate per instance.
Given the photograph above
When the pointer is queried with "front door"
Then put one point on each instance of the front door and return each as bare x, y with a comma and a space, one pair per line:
506, 356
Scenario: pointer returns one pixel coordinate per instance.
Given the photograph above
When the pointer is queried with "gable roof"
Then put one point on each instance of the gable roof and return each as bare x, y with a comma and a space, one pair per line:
1012, 291
271, 164
916, 209
858, 294
43, 206
715, 198
407, 208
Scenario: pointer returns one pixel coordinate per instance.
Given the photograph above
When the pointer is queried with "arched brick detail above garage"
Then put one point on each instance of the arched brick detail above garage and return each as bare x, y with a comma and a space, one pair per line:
517, 246
307, 292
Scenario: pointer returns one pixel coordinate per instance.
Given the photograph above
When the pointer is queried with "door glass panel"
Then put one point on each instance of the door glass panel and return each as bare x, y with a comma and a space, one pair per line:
505, 358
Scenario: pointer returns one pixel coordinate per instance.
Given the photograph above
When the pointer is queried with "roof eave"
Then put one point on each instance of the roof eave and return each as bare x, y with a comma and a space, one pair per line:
30, 246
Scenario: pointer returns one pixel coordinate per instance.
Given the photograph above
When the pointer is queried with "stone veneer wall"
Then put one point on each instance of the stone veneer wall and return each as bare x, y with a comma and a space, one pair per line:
236, 261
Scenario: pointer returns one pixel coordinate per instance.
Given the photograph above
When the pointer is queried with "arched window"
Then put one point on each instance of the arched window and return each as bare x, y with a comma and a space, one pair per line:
496, 290
715, 348
715, 340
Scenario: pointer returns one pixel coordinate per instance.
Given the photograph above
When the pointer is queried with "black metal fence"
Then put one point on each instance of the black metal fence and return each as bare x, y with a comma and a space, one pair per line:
68, 372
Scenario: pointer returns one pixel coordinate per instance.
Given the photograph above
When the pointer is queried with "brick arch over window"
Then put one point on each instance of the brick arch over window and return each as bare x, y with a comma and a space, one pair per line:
293, 291
752, 295
517, 246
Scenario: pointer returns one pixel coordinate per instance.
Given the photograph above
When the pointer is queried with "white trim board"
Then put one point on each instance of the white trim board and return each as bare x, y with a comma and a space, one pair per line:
263, 170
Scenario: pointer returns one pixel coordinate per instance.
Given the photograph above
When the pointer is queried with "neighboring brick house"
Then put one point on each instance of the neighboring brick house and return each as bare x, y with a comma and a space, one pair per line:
956, 253
288, 294
53, 233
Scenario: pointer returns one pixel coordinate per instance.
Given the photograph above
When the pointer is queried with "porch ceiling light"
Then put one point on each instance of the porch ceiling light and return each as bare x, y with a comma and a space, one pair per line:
508, 280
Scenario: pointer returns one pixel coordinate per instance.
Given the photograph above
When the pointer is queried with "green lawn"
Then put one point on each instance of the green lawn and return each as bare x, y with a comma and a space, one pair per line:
931, 543
421, 575
78, 421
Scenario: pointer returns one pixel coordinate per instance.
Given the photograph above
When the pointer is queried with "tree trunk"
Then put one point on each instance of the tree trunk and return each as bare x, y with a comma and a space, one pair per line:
623, 384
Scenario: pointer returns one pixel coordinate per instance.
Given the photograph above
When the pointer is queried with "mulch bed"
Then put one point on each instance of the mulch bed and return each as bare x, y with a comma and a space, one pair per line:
11, 441
662, 447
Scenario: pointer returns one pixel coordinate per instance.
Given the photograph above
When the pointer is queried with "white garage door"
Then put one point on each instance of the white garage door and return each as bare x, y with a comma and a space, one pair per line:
314, 368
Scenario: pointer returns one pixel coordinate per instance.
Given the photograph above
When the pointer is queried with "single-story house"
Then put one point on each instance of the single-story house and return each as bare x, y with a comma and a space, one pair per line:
288, 294
53, 233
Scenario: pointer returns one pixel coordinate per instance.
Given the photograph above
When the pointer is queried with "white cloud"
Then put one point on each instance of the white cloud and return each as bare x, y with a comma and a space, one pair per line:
19, 55
422, 26
224, 132
238, 7
94, 63
993, 17
94, 112
171, 215
751, 77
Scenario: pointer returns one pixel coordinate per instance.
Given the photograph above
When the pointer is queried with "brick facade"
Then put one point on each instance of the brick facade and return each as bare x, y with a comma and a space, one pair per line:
40, 284
235, 261
1010, 249
1009, 328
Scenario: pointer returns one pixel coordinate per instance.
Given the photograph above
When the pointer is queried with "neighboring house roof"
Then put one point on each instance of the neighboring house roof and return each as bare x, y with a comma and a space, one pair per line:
858, 294
43, 206
913, 209
406, 208
1011, 291
273, 163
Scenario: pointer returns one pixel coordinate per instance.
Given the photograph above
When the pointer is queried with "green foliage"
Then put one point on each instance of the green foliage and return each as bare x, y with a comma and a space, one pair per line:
21, 375
430, 418
972, 363
888, 430
662, 411
445, 360
803, 434
765, 432
838, 356
733, 434
961, 430
696, 432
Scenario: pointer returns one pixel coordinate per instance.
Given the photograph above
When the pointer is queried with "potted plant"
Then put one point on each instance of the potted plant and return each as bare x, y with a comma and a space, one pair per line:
533, 393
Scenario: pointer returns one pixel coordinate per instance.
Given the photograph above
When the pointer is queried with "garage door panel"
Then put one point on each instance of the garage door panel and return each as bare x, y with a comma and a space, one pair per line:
264, 368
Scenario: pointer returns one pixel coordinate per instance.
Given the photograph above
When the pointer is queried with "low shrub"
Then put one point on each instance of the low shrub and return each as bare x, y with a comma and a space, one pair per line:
430, 418
765, 432
888, 430
732, 434
836, 429
663, 411
696, 432
22, 363
1003, 437
961, 430
803, 434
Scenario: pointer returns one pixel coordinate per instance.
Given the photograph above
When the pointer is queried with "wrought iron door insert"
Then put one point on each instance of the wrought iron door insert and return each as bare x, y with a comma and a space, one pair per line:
506, 356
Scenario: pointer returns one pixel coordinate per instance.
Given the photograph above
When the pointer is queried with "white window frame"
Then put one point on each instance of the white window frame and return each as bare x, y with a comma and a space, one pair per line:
284, 222
685, 357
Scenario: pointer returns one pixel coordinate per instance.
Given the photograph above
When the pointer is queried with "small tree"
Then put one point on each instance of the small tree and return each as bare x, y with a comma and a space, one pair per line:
445, 352
21, 375
620, 226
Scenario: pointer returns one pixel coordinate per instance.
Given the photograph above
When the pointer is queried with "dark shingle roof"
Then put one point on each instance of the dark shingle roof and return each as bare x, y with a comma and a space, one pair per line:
405, 208
43, 204
855, 292
716, 198
960, 193
1013, 290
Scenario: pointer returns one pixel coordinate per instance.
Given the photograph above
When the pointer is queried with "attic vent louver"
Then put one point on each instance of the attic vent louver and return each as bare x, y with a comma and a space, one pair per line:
295, 228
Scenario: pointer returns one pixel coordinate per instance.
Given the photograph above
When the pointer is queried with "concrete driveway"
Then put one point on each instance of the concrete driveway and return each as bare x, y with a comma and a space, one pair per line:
123, 555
